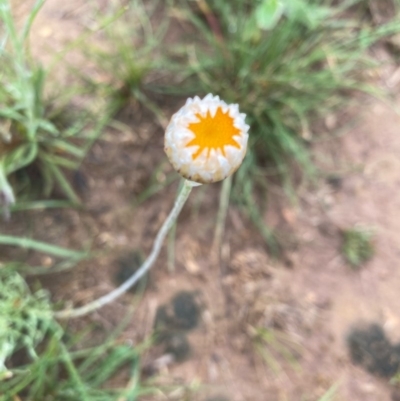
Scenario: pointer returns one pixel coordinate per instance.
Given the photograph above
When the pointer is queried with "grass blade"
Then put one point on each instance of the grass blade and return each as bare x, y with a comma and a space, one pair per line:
44, 247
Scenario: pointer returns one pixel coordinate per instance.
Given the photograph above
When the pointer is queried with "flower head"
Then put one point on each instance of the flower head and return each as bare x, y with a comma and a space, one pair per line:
206, 140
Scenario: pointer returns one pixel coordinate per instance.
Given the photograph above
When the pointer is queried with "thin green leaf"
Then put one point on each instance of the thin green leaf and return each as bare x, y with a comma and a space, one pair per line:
65, 186
44, 247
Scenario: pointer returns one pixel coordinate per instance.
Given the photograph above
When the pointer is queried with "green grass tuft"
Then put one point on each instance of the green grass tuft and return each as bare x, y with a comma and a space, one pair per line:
38, 140
274, 346
357, 246
285, 67
283, 78
25, 318
129, 55
40, 360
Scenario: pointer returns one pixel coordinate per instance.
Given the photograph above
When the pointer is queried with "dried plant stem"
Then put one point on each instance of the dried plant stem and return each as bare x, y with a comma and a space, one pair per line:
171, 249
111, 296
221, 217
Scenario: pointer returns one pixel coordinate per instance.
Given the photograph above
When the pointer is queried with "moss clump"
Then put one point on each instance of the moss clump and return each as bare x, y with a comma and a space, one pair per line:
370, 348
186, 310
172, 322
182, 313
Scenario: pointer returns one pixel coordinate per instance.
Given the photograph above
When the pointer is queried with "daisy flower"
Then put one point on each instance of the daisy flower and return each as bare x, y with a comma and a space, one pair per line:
206, 140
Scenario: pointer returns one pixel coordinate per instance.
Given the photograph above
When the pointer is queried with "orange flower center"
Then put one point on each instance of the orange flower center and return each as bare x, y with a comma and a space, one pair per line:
213, 132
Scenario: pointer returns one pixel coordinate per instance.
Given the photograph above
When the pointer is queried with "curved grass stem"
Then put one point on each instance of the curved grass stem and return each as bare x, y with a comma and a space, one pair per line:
111, 296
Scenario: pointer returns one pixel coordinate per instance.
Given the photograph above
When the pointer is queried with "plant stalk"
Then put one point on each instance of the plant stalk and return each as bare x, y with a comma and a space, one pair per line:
148, 263
221, 217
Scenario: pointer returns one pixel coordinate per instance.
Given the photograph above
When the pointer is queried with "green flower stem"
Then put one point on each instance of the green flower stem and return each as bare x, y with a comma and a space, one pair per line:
111, 296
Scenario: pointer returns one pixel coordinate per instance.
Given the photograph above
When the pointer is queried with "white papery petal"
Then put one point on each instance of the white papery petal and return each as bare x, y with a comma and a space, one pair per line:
210, 165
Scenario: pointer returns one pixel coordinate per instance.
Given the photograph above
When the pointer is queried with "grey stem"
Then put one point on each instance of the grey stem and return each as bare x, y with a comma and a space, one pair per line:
111, 296
221, 216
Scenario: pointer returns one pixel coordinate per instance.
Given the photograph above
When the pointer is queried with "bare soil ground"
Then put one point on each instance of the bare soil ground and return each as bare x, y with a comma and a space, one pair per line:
308, 302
